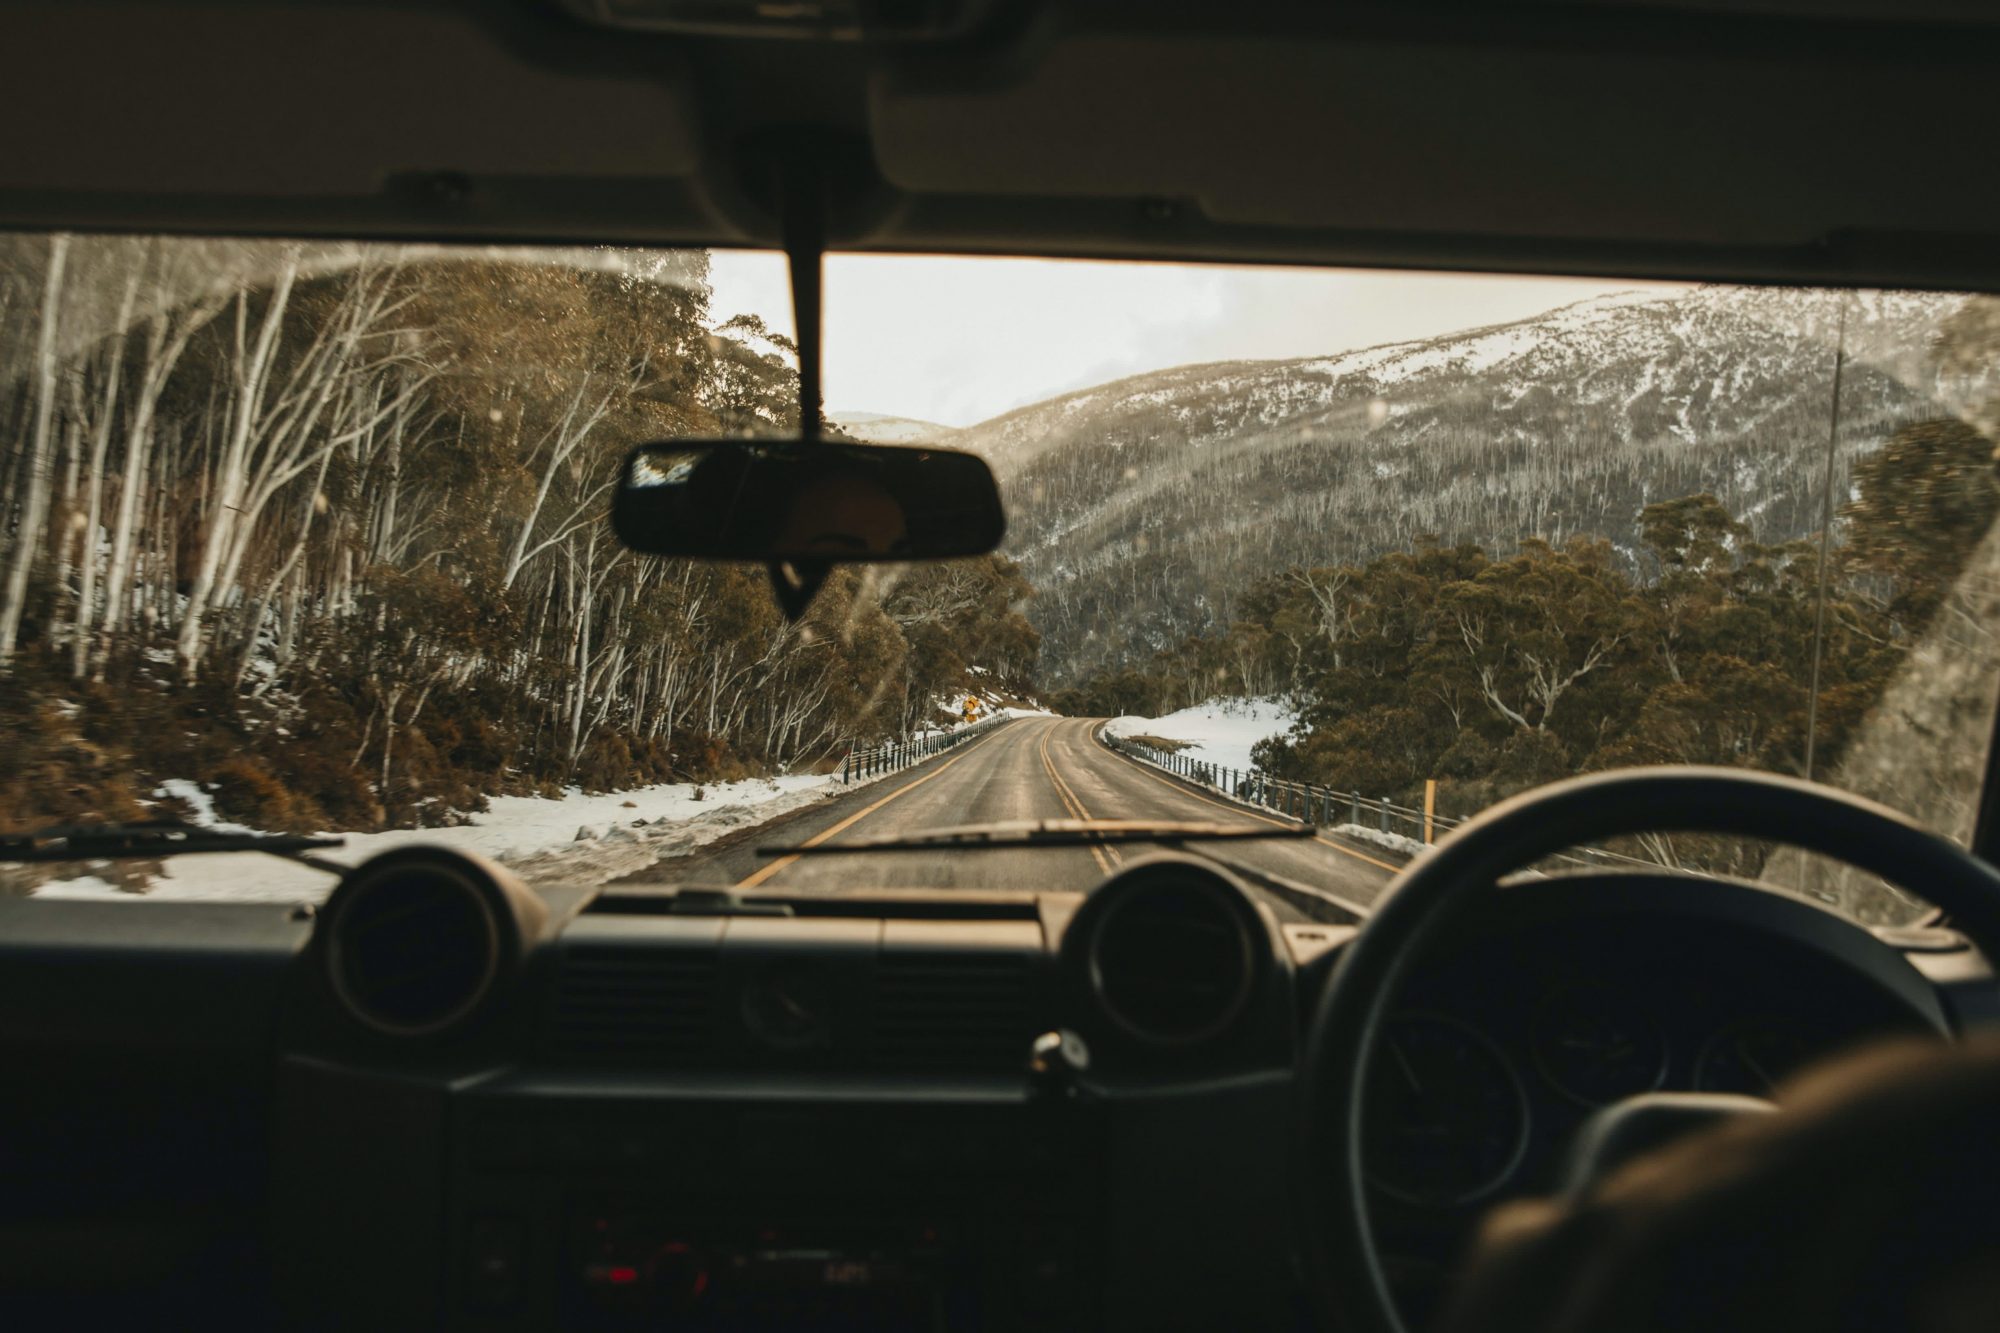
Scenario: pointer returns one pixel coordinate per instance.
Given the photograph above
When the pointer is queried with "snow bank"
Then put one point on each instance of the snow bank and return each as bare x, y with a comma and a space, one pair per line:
542, 838
1220, 731
1395, 842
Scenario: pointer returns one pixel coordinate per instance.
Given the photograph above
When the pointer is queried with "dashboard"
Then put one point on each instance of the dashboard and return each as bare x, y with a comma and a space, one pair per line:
445, 1101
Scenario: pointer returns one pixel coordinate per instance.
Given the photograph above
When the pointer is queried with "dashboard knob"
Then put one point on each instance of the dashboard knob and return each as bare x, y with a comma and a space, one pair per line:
1056, 1060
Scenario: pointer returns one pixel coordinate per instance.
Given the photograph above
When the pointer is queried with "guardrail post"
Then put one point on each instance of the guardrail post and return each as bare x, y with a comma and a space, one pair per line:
1383, 805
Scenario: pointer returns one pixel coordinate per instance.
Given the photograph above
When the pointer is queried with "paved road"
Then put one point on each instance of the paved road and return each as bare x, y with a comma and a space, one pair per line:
1031, 768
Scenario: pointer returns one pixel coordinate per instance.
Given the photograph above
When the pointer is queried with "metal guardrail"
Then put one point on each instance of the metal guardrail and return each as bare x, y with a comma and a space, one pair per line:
1328, 808
893, 755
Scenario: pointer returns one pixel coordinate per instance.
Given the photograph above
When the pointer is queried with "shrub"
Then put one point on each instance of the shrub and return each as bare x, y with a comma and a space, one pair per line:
247, 792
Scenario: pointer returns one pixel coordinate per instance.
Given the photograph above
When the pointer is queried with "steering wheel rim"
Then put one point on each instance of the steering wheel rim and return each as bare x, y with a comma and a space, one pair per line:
1344, 1268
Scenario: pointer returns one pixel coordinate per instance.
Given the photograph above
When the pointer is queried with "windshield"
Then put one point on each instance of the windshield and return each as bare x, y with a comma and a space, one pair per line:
310, 537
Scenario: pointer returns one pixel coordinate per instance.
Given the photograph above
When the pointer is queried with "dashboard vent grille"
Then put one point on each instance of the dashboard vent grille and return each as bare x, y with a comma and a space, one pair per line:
953, 1013
619, 1003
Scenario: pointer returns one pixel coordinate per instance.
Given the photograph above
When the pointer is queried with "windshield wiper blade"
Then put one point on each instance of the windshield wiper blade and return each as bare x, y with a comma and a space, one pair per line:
146, 839
1049, 833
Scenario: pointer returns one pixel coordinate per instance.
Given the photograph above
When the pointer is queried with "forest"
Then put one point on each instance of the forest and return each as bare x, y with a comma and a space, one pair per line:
1145, 508
322, 527
1494, 672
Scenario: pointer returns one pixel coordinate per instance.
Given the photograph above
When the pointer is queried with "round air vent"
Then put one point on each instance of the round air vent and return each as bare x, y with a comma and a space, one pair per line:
1173, 953
415, 940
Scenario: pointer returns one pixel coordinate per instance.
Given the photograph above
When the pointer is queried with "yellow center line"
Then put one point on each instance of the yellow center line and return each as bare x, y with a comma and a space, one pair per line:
757, 877
1250, 814
1117, 854
1066, 796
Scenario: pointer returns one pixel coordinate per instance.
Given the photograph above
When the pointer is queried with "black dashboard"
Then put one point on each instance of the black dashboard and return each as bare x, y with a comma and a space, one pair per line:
444, 1101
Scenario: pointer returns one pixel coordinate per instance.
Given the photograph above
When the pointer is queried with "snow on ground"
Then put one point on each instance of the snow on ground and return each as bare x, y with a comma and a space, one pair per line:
1395, 842
572, 837
199, 801
1220, 731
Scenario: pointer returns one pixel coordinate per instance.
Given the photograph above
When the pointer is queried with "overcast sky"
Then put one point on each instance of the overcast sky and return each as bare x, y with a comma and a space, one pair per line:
959, 340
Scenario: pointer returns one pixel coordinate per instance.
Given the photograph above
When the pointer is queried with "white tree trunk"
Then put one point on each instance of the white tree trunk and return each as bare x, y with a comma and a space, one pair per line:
35, 503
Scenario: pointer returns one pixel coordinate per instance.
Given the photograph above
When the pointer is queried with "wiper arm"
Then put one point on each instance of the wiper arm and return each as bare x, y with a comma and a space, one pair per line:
146, 839
1049, 833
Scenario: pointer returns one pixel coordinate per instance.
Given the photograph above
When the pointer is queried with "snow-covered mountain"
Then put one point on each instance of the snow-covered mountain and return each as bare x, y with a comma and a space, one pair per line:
1142, 508
877, 428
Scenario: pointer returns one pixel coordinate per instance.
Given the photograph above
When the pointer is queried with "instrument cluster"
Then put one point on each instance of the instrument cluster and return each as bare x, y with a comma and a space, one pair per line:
1506, 1044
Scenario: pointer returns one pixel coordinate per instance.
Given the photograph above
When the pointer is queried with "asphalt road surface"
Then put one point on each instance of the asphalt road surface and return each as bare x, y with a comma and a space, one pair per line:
1031, 768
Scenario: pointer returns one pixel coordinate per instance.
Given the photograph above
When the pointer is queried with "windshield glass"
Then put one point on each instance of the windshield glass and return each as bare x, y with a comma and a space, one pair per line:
310, 537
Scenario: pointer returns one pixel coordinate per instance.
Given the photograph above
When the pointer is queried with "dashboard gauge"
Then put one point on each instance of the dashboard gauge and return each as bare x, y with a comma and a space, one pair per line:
1753, 1055
1446, 1120
1594, 1046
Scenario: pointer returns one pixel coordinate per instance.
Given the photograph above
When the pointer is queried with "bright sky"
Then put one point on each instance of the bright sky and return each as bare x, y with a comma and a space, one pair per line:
957, 340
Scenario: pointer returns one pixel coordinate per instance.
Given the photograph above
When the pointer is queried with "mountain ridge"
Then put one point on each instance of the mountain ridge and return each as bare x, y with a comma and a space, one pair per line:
1144, 507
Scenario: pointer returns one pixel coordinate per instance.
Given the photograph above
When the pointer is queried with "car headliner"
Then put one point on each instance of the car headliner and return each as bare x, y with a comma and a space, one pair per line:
1847, 141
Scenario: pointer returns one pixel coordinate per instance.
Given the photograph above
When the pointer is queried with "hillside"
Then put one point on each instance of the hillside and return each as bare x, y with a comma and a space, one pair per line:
1142, 509
878, 428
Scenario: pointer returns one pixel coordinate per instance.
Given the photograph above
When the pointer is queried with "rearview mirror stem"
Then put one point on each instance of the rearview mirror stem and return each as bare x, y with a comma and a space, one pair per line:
804, 222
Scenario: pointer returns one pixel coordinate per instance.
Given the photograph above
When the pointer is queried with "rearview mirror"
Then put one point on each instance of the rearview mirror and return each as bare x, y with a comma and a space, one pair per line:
801, 502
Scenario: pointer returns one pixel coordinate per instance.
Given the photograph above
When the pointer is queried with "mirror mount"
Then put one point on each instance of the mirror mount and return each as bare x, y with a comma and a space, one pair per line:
794, 584
802, 209
800, 506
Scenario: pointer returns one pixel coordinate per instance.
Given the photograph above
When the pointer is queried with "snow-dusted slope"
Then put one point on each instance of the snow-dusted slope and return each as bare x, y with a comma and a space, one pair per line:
1141, 508
876, 428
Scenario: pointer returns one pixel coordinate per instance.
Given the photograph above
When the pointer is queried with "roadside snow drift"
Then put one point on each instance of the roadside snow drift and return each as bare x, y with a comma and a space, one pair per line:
1220, 731
576, 837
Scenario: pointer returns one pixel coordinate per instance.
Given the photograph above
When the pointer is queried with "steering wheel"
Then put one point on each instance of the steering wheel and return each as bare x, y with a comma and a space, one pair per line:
1344, 1267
